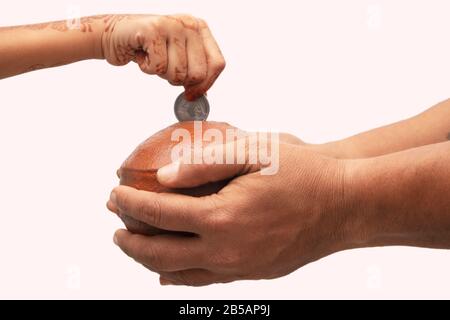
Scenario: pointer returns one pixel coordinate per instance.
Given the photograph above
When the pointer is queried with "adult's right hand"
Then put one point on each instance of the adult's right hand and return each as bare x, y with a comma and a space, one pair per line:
257, 227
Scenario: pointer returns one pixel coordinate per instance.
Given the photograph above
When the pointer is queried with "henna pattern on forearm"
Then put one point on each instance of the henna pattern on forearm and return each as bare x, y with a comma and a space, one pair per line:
83, 24
100, 23
55, 25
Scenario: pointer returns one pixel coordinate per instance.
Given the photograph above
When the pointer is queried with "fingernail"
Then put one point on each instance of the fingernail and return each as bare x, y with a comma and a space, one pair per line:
168, 173
113, 197
116, 241
165, 282
112, 207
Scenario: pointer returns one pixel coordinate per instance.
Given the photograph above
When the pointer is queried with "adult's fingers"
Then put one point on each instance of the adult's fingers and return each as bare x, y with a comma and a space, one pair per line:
168, 253
170, 212
193, 278
182, 175
215, 63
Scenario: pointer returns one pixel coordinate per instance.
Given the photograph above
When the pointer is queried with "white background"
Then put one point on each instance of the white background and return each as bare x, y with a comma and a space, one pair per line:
322, 70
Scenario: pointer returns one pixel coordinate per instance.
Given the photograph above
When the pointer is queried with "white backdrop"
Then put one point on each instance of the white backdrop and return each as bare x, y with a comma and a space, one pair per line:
319, 69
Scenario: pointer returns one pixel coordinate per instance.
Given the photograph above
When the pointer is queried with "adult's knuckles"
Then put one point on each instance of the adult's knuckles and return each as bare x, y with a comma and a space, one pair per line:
152, 211
127, 246
220, 221
153, 257
184, 278
227, 259
123, 199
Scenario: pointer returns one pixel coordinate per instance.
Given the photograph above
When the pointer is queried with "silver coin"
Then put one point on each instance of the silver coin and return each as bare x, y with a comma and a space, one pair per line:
197, 110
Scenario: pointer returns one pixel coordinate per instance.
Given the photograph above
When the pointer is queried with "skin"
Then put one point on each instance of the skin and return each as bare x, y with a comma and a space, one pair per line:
319, 203
431, 126
388, 186
178, 48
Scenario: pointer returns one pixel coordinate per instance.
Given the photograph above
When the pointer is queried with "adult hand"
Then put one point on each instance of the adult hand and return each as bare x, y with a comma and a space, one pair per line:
178, 48
257, 227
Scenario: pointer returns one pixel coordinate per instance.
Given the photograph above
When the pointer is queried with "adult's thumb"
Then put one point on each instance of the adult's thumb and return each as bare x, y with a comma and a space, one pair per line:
184, 175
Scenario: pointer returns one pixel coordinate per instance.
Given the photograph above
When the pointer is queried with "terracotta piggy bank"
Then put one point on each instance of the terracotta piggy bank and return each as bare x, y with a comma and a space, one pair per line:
139, 170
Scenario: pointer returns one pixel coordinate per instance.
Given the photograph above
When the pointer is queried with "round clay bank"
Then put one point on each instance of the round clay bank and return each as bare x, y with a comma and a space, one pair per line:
139, 170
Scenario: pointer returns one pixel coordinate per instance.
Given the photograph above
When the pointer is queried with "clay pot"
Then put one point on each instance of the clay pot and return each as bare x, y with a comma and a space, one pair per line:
139, 170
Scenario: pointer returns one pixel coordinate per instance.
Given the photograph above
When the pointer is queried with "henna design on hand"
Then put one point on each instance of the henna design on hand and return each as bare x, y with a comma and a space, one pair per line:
111, 21
123, 53
186, 21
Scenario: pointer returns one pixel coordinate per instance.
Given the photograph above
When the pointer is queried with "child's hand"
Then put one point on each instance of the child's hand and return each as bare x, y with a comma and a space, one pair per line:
179, 48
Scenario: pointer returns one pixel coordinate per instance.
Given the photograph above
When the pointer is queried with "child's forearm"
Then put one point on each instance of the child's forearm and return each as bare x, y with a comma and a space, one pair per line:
32, 47
432, 126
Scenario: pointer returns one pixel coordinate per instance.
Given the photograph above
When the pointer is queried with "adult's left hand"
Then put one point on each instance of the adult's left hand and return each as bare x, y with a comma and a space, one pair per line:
257, 227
